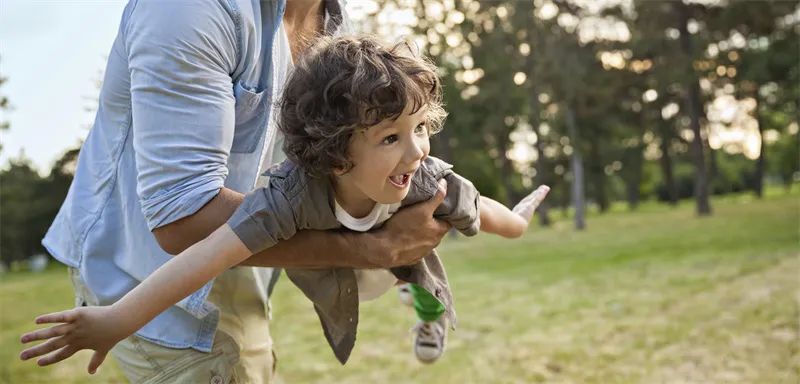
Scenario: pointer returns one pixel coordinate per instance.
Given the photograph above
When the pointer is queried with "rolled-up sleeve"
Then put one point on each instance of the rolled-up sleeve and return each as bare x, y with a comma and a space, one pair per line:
461, 205
180, 56
264, 218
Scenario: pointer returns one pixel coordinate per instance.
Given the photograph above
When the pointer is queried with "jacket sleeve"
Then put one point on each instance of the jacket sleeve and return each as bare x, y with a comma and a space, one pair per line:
180, 55
460, 205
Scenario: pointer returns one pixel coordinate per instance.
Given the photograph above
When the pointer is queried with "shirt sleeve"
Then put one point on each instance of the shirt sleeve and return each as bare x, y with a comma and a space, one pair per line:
180, 56
264, 218
460, 205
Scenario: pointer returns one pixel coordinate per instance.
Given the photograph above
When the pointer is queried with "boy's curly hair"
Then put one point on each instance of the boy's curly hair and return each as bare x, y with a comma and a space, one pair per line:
344, 84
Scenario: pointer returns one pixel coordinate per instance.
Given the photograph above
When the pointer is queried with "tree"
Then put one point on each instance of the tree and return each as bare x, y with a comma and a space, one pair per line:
20, 211
694, 107
4, 107
769, 55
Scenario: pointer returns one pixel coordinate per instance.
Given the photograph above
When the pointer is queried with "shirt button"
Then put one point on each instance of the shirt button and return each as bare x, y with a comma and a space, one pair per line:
216, 379
349, 290
351, 319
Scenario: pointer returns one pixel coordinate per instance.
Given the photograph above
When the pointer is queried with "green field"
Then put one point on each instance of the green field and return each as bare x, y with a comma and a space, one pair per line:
655, 296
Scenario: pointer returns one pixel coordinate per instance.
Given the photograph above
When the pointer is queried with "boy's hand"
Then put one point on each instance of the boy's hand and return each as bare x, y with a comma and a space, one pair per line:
528, 205
93, 328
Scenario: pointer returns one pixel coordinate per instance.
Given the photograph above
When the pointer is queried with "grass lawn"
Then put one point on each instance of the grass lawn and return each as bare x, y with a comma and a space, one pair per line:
654, 296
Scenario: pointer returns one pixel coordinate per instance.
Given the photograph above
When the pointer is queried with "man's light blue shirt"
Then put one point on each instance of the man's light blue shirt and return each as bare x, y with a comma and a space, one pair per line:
184, 111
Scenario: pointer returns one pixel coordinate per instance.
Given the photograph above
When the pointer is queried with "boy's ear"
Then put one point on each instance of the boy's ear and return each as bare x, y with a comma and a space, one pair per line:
340, 171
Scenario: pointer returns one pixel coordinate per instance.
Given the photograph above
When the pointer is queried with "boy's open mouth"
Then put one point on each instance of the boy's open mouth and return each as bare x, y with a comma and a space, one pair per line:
401, 180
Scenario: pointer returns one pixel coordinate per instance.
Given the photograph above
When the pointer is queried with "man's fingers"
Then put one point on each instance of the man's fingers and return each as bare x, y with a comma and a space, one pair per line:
43, 348
59, 355
97, 359
441, 192
47, 333
442, 226
57, 317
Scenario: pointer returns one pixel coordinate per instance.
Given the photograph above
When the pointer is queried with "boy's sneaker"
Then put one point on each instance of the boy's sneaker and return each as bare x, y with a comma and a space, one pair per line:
405, 295
429, 339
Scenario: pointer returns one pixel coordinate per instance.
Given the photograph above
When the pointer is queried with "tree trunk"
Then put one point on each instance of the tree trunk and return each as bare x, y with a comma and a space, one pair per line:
506, 168
542, 169
693, 105
666, 165
713, 167
441, 145
758, 186
634, 176
576, 163
598, 175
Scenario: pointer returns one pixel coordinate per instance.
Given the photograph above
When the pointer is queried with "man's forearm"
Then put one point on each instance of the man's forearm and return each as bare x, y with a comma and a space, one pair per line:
179, 235
307, 249
405, 238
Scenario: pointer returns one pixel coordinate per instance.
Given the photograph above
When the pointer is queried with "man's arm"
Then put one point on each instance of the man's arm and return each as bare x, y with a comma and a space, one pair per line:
180, 56
181, 234
407, 237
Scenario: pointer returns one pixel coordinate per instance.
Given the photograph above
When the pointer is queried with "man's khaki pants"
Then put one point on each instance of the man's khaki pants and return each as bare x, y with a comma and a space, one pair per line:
242, 351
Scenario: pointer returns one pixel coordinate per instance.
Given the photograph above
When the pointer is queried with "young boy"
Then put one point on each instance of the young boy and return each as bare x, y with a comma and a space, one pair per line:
356, 117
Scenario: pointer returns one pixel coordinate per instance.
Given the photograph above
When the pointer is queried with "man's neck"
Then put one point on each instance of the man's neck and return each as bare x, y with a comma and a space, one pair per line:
299, 11
302, 21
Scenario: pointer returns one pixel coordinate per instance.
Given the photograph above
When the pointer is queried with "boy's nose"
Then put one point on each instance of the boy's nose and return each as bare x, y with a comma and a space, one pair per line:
415, 151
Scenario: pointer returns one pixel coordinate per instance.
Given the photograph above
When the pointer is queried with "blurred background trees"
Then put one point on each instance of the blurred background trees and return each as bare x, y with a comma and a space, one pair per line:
612, 100
606, 101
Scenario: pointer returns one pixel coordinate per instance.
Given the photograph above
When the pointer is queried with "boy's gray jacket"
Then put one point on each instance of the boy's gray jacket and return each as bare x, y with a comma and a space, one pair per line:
293, 201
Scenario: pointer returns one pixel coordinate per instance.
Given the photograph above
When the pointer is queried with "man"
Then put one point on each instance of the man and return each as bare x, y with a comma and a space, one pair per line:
185, 126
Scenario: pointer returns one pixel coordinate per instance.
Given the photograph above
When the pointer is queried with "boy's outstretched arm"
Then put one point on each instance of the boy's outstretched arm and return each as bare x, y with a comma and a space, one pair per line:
511, 223
100, 328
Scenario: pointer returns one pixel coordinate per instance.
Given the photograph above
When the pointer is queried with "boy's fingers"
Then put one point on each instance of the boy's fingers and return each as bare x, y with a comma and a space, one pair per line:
59, 355
57, 317
542, 192
536, 197
97, 359
47, 333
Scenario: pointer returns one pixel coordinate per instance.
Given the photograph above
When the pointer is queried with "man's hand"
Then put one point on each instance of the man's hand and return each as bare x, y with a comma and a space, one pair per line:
411, 233
81, 328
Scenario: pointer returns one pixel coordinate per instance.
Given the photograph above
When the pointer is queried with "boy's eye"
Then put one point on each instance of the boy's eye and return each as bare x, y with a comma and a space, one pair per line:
421, 129
389, 139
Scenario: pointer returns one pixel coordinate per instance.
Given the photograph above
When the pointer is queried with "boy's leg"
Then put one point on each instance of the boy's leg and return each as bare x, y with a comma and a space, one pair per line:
405, 295
428, 308
431, 330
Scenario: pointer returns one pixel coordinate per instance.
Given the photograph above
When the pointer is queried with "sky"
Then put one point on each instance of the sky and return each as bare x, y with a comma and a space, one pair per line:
53, 53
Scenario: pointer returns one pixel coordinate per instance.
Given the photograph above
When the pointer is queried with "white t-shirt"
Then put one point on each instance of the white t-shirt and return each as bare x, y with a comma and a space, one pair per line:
372, 283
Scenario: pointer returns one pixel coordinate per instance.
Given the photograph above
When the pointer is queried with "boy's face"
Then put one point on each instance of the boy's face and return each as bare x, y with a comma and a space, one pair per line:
386, 156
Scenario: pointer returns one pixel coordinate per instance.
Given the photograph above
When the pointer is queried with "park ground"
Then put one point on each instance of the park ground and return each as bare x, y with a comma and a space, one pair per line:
653, 296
